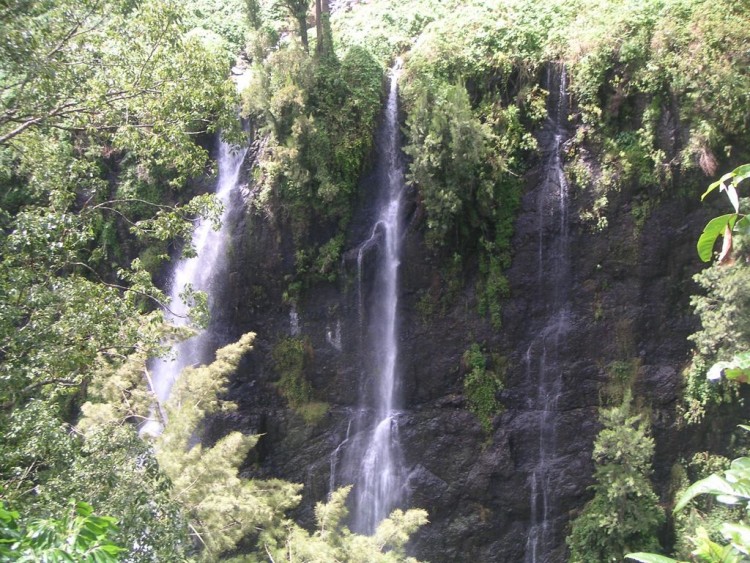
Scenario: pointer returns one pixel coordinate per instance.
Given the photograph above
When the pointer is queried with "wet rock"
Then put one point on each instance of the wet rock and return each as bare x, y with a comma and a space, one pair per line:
627, 305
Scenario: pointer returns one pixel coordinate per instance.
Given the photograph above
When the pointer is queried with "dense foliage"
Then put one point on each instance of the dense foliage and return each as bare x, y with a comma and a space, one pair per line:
106, 110
317, 114
78, 536
101, 106
624, 514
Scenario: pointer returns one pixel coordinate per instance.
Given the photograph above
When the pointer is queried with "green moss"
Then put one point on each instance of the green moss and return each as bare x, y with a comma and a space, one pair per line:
289, 357
313, 412
621, 375
289, 362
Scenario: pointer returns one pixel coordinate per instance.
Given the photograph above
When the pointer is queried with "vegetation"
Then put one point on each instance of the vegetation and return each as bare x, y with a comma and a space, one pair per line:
468, 131
106, 110
723, 308
80, 536
332, 540
100, 109
730, 539
624, 514
473, 94
481, 386
205, 493
635, 53
703, 533
317, 113
289, 362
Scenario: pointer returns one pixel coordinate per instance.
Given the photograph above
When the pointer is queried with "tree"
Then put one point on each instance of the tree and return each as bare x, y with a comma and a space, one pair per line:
624, 513
220, 507
298, 10
324, 41
119, 69
100, 107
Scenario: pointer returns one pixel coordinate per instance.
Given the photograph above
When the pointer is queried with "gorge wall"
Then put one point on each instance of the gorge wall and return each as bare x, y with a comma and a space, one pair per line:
627, 315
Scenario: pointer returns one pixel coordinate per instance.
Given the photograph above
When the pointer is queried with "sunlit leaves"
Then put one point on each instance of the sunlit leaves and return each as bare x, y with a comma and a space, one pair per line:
718, 226
79, 536
731, 488
650, 558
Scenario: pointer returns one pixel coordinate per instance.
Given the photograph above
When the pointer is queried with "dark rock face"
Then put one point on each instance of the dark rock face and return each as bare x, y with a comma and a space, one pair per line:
628, 302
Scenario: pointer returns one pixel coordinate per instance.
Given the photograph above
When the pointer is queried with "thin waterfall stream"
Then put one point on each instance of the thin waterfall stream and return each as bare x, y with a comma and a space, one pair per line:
553, 285
372, 460
200, 273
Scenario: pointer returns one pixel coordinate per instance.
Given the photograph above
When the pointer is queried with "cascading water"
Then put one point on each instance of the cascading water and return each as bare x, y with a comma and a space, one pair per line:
553, 284
200, 273
372, 458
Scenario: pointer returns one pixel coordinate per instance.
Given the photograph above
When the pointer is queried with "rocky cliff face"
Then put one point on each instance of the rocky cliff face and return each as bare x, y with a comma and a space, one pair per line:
628, 316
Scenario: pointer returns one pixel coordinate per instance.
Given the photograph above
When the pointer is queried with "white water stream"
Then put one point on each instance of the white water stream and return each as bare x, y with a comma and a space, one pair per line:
201, 273
542, 358
372, 454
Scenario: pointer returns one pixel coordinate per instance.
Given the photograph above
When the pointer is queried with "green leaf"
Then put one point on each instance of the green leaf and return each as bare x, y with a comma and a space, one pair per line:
737, 374
713, 485
708, 550
741, 173
84, 509
738, 534
712, 231
741, 464
651, 558
725, 178
743, 225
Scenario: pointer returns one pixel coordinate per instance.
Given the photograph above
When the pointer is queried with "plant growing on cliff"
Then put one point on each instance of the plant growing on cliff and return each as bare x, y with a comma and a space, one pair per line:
317, 129
481, 386
624, 513
623, 54
732, 489
288, 357
473, 102
725, 324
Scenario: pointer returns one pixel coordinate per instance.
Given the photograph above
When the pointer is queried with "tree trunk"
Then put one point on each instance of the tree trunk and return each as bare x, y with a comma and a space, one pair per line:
302, 22
324, 43
319, 26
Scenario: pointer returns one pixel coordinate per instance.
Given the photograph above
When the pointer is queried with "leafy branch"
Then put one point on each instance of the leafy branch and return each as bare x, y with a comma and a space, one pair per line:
725, 225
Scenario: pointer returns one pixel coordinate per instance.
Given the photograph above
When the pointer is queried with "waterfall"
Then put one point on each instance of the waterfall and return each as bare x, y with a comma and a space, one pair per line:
373, 459
200, 273
553, 286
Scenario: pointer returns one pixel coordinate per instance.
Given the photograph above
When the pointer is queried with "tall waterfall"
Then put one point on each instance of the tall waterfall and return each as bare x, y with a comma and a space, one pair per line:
553, 285
373, 460
201, 273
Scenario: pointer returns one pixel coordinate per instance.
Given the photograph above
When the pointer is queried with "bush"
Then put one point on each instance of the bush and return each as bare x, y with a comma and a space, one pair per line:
624, 514
481, 387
